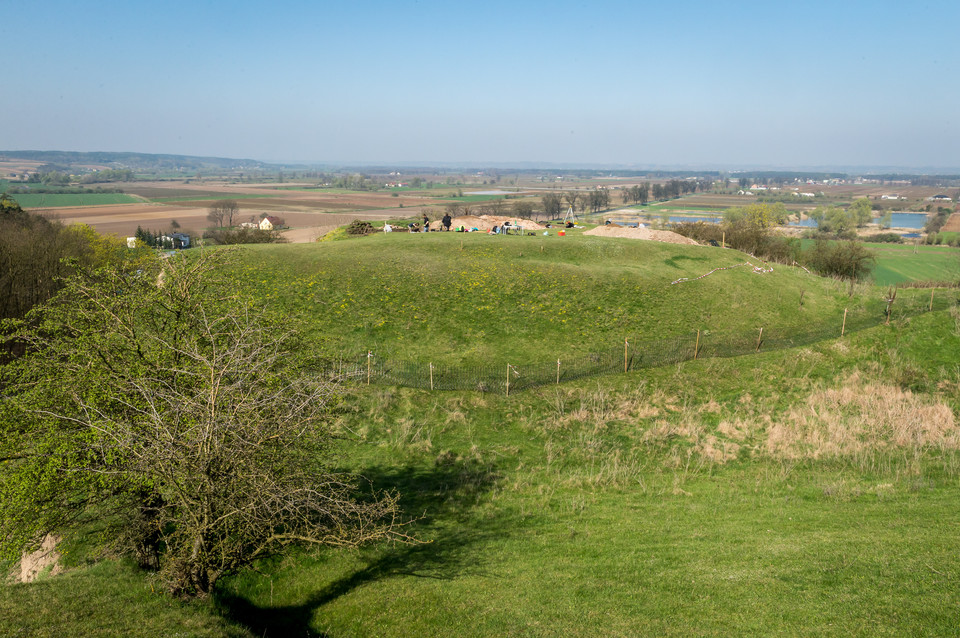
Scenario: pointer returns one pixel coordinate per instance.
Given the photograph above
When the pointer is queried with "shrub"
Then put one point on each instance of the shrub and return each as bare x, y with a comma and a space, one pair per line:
744, 236
359, 227
884, 238
226, 236
847, 260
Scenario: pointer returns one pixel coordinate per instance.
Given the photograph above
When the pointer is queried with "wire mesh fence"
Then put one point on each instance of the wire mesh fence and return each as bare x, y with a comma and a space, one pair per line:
632, 354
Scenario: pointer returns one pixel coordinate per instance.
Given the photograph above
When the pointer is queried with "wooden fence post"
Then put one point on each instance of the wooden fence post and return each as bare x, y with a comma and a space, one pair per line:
696, 348
558, 371
369, 358
759, 339
931, 300
843, 328
431, 376
625, 345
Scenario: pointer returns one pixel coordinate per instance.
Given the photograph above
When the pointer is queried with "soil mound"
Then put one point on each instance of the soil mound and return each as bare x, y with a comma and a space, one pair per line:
667, 236
486, 222
47, 558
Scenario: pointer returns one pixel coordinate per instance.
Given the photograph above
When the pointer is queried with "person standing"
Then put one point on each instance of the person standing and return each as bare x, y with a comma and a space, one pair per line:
446, 221
426, 223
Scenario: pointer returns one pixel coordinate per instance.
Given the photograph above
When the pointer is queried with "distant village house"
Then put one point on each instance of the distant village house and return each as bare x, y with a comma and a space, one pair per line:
270, 223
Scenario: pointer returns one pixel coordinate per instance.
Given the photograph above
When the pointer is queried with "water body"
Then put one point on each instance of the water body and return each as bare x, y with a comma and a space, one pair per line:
684, 219
906, 220
897, 220
674, 219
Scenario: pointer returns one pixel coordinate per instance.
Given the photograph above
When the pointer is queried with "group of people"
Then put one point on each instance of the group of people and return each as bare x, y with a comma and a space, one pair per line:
446, 222
414, 227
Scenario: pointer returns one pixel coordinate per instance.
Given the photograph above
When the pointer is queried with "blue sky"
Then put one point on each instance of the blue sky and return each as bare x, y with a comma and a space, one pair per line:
685, 83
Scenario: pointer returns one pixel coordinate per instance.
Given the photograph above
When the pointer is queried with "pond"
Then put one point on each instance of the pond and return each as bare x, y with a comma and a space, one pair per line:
897, 220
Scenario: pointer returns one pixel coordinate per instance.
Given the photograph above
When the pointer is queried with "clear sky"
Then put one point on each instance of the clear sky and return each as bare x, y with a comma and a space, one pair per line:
687, 82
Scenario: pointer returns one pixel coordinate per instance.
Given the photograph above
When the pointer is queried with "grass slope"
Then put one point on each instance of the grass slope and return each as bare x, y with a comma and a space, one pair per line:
651, 504
808, 491
474, 298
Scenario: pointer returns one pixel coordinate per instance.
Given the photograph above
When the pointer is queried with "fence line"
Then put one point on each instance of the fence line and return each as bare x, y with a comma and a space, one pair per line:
634, 354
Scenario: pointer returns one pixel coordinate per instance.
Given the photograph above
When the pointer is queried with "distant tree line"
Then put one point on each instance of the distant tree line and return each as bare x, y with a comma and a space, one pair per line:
51, 177
917, 180
108, 175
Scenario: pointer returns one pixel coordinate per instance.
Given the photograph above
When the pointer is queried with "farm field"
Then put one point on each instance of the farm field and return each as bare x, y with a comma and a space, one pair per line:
309, 215
953, 224
713, 497
185, 200
57, 200
898, 264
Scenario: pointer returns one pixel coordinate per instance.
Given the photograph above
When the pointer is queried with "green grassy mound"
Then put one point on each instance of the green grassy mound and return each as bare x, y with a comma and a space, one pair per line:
479, 299
808, 490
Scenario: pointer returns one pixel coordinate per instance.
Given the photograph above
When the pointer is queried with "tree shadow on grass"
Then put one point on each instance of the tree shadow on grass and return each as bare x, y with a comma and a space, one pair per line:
443, 496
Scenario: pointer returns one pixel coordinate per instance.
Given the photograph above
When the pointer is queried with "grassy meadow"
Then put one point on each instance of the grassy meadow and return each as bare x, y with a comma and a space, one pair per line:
800, 491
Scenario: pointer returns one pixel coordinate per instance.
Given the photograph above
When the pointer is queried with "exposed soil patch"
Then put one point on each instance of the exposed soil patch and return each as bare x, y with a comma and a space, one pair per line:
35, 563
487, 222
667, 236
953, 224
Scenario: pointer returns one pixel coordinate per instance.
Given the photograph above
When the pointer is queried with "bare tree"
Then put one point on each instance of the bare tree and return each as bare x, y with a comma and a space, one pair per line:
523, 209
183, 418
215, 216
552, 202
223, 210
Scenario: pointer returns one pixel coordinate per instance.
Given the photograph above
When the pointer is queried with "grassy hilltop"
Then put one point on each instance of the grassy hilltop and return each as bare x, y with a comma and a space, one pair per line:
800, 491
476, 298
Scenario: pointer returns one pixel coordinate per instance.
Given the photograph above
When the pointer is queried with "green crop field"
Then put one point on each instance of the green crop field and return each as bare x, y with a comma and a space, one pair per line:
473, 199
800, 491
54, 200
904, 263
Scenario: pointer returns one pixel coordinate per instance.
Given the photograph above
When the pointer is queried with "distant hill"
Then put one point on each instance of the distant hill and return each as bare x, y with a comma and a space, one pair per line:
140, 162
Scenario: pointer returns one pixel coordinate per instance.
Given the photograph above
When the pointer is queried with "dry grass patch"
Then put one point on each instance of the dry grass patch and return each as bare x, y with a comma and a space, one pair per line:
862, 417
